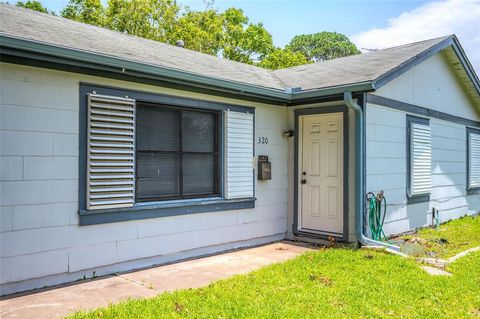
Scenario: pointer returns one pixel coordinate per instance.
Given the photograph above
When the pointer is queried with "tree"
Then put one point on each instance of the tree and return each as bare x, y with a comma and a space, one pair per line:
200, 31
151, 19
323, 46
32, 5
244, 41
86, 11
281, 58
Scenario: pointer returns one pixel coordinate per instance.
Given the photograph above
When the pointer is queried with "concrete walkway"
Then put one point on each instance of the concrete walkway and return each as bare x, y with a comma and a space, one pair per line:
60, 301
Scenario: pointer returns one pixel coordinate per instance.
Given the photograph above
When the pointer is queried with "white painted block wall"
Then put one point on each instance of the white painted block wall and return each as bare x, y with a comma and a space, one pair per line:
430, 84
41, 242
386, 169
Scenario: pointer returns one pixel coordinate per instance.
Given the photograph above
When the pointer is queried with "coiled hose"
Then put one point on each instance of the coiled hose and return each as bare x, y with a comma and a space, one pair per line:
377, 210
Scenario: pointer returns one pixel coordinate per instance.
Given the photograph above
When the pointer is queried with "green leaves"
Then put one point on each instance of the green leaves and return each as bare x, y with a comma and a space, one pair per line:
323, 46
151, 19
229, 33
282, 58
86, 11
32, 5
244, 41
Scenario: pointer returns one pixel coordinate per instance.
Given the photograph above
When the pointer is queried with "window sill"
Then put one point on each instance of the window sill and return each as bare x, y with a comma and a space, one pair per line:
415, 199
162, 209
473, 191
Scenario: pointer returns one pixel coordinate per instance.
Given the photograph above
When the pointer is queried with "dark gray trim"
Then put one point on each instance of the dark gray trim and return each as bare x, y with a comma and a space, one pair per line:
412, 199
322, 110
457, 47
147, 210
419, 58
470, 190
123, 65
419, 110
28, 52
138, 212
473, 191
163, 98
325, 236
89, 68
418, 199
313, 95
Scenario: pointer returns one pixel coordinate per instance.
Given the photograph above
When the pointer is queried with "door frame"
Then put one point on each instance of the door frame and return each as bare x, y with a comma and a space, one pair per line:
297, 140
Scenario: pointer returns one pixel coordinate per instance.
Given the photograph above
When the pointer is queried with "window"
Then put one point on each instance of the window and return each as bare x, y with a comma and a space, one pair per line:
419, 159
146, 155
177, 153
473, 159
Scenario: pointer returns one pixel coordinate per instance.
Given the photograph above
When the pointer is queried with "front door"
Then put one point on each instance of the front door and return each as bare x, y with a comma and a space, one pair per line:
321, 174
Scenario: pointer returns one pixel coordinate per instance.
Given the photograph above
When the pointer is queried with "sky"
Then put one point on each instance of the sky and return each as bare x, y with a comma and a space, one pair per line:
369, 24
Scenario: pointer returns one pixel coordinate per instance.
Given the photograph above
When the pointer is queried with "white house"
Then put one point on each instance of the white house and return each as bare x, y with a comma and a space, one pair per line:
120, 153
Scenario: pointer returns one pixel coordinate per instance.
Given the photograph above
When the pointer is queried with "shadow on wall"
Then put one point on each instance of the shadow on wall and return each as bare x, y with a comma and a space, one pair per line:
448, 194
418, 215
473, 202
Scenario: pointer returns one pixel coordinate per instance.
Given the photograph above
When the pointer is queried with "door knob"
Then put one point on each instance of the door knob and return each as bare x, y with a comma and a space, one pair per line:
304, 181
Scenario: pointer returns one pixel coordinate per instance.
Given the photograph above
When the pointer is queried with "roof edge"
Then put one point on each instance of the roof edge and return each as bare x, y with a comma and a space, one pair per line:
457, 47
451, 40
124, 65
360, 87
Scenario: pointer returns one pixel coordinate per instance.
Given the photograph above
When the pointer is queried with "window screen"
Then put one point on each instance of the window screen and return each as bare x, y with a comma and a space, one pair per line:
177, 153
473, 159
419, 156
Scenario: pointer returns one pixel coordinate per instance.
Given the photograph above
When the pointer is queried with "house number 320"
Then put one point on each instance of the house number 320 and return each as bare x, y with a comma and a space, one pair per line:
262, 140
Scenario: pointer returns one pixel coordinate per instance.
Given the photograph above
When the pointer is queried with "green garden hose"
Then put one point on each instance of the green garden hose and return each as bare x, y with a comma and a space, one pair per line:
377, 210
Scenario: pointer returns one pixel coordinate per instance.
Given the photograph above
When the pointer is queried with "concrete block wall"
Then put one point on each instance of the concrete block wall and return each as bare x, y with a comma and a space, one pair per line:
40, 240
430, 84
386, 169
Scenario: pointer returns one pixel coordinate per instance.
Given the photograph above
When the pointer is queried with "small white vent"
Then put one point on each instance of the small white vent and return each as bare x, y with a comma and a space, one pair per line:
110, 152
421, 159
474, 160
238, 155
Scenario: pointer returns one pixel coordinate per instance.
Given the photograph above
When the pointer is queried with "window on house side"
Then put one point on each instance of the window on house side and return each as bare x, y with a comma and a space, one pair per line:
419, 161
473, 159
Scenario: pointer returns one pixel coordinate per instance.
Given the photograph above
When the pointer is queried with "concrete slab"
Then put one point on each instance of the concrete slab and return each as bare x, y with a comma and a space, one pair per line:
435, 271
60, 301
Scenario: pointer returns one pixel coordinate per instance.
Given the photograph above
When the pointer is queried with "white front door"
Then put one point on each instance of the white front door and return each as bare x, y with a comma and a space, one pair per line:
320, 175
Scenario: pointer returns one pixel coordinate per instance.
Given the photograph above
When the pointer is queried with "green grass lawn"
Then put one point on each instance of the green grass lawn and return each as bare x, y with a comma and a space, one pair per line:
451, 238
331, 283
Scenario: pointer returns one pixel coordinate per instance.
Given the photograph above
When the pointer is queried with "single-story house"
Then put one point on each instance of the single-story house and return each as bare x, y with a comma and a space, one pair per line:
119, 152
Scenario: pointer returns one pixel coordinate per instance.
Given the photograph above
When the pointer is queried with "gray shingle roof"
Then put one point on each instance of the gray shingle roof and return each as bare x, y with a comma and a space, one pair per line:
19, 23
353, 69
40, 27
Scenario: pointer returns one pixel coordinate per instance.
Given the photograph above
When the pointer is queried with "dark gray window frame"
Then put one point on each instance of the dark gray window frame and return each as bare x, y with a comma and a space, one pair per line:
322, 110
216, 153
470, 190
413, 199
154, 209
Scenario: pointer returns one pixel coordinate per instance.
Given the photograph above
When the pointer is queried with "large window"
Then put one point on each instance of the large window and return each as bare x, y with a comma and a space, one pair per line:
419, 159
146, 155
473, 159
177, 153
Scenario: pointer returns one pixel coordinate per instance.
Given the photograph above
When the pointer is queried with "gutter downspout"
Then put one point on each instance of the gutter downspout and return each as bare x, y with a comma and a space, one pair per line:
359, 185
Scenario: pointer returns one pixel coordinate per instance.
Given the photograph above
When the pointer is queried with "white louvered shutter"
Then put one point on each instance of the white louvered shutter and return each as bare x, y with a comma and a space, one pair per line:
238, 155
474, 160
110, 152
420, 159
